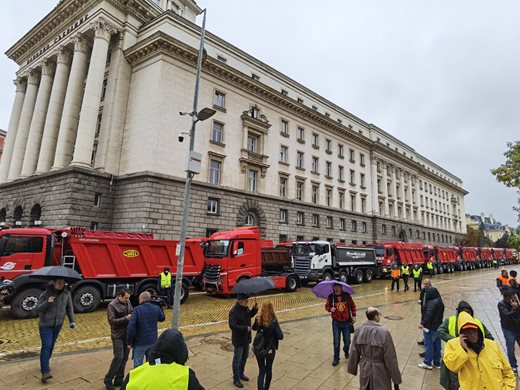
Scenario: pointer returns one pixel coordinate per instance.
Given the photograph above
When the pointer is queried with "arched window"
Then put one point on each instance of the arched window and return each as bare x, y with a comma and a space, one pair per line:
17, 216
36, 214
249, 220
3, 215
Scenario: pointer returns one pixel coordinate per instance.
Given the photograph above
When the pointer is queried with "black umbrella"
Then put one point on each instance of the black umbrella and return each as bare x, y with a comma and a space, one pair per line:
56, 272
253, 285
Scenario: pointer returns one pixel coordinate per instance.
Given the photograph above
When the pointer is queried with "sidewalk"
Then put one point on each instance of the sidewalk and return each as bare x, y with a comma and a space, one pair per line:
302, 362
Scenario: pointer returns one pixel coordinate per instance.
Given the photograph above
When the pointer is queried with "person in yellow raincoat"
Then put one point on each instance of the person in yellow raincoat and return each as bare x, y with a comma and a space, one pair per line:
478, 361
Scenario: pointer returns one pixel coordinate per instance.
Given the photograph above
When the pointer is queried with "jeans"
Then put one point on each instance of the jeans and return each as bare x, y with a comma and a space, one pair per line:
343, 328
511, 336
265, 370
417, 284
405, 281
240, 355
138, 354
167, 293
117, 367
48, 336
432, 344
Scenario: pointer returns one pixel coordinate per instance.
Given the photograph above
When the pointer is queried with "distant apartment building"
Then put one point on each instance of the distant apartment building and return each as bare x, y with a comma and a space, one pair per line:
492, 229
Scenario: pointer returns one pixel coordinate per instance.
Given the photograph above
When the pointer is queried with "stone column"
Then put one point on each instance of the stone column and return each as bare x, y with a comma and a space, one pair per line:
394, 190
5, 162
71, 105
373, 181
23, 127
34, 138
52, 122
92, 97
385, 190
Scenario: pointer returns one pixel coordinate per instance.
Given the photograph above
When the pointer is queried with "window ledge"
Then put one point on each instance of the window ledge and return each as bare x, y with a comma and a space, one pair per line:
341, 156
328, 151
216, 143
219, 108
315, 146
284, 134
300, 169
300, 140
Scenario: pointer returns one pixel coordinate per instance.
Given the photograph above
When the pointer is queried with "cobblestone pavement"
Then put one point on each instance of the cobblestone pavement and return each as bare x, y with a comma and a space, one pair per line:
203, 314
304, 358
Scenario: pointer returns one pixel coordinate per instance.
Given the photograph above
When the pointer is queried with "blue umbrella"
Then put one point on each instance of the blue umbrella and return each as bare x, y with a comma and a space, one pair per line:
324, 289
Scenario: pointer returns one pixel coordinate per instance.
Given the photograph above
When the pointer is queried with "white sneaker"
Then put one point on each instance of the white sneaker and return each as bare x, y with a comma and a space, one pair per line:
425, 366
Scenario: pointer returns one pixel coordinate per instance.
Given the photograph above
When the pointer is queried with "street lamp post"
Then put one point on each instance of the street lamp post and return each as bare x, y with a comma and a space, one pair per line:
193, 167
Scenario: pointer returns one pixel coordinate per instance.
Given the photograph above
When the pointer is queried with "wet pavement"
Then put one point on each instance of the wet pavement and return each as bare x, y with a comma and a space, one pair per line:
304, 358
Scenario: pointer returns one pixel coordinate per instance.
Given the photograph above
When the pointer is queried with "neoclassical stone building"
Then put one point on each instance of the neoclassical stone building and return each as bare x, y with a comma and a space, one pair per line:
93, 139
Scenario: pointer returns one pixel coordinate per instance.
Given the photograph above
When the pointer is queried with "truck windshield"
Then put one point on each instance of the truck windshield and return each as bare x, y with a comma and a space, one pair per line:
380, 250
218, 248
304, 249
20, 244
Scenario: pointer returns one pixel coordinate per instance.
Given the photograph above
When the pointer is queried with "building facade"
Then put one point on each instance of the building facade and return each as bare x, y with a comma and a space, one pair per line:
93, 139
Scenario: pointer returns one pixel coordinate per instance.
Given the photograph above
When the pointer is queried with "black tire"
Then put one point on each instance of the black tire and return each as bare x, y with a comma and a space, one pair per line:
86, 299
369, 275
358, 276
150, 287
343, 276
291, 283
327, 275
25, 302
184, 293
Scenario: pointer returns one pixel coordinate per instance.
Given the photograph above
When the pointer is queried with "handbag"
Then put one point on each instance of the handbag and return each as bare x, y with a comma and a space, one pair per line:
259, 345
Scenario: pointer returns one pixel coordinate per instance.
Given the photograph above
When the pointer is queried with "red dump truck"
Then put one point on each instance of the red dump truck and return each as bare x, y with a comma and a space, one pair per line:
107, 261
241, 253
387, 253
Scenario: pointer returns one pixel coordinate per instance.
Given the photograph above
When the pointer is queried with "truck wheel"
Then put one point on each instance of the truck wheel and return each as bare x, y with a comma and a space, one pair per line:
369, 275
184, 293
291, 284
86, 299
343, 276
25, 302
358, 276
327, 275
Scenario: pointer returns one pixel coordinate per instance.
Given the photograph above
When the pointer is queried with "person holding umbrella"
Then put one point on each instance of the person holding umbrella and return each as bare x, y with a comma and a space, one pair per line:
342, 310
54, 303
240, 325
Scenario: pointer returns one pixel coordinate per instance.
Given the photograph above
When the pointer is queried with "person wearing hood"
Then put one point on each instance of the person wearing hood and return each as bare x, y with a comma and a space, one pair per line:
166, 367
374, 351
449, 330
509, 310
431, 318
165, 286
53, 304
478, 361
240, 324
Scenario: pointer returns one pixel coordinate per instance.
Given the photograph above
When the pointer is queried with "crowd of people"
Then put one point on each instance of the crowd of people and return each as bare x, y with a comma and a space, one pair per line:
471, 359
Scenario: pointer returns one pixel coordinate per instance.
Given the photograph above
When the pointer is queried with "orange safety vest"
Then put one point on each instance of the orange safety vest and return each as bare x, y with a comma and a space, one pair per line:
395, 273
505, 281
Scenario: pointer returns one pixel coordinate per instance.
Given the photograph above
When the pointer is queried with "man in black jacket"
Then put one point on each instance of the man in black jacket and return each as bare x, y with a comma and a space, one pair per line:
431, 319
509, 310
240, 325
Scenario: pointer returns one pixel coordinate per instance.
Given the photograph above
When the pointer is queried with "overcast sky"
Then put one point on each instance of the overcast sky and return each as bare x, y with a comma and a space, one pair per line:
443, 76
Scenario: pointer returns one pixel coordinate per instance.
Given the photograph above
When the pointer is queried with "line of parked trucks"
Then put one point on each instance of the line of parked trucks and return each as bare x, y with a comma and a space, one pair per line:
109, 261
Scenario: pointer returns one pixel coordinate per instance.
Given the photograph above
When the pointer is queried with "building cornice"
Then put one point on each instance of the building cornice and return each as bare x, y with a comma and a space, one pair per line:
65, 13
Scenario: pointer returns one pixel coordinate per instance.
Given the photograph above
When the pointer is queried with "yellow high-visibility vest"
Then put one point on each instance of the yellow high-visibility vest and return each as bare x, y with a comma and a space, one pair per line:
405, 270
417, 273
159, 376
166, 280
429, 265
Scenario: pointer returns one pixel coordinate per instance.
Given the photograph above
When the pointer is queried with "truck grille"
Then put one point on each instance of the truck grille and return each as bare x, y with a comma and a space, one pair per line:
302, 266
211, 273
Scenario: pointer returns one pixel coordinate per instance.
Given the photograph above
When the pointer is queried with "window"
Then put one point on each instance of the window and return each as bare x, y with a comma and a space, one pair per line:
252, 143
300, 218
328, 146
361, 159
283, 238
252, 180
381, 212
219, 100
283, 187
299, 190
328, 196
340, 151
93, 225
217, 132
341, 173
315, 108
352, 177
254, 76
329, 222
353, 226
327, 115
315, 189
383, 229
379, 188
284, 127
214, 172
300, 100
104, 90
342, 224
301, 133
362, 180
19, 244
363, 204
341, 199
221, 59
328, 169
352, 202
315, 220
363, 227
283, 154
97, 199
315, 164
284, 92
283, 216
393, 231
352, 155
98, 124
213, 206
299, 159
255, 112
249, 220
315, 140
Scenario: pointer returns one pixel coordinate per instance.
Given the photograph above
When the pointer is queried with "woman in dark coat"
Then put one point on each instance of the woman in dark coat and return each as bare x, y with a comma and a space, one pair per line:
266, 324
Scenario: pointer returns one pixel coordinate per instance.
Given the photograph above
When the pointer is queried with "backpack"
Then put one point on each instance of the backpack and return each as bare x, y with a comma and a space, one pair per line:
260, 346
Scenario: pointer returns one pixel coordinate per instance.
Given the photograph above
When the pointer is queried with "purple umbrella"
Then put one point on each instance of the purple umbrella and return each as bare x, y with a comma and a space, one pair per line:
324, 289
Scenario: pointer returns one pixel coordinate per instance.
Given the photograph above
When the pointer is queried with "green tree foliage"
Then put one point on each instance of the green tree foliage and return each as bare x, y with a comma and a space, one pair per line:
514, 241
509, 172
474, 237
503, 241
